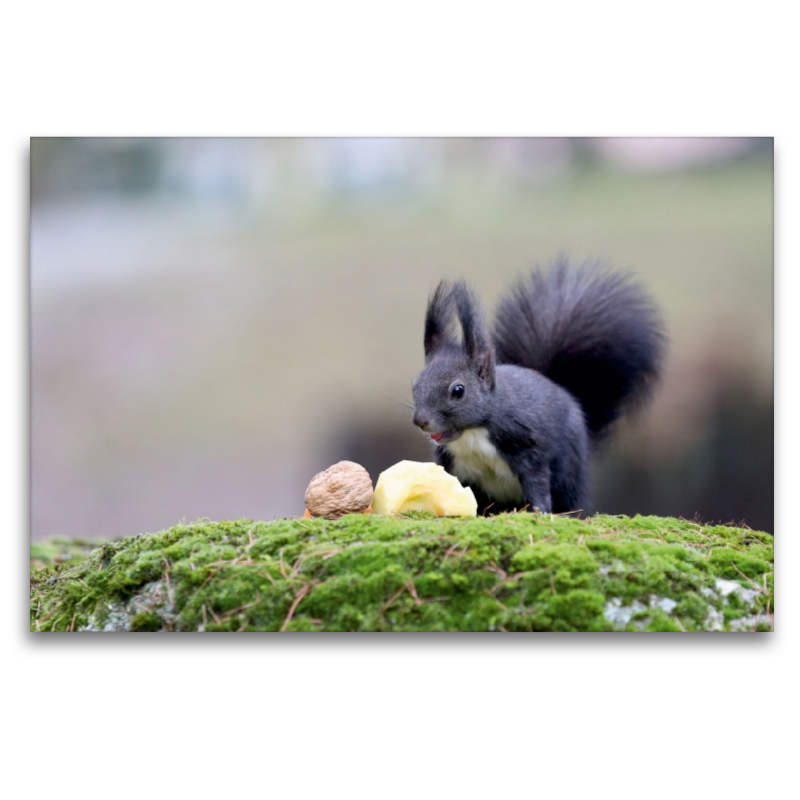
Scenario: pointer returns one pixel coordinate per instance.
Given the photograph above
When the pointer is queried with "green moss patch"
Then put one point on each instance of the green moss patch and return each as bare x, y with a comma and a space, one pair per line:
512, 572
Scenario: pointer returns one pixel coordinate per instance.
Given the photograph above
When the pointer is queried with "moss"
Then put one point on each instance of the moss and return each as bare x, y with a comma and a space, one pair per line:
512, 572
146, 621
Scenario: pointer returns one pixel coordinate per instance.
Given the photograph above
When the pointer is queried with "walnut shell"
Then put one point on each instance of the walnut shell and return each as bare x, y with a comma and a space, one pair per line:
344, 488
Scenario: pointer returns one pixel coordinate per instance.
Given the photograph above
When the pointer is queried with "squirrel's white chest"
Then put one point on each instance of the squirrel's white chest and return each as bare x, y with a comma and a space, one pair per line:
476, 461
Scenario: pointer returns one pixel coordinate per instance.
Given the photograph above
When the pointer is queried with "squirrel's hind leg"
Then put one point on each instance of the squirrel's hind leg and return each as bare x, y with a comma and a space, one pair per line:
536, 490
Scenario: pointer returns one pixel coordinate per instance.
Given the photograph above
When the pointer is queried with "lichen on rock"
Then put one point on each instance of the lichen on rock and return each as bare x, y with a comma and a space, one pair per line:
512, 572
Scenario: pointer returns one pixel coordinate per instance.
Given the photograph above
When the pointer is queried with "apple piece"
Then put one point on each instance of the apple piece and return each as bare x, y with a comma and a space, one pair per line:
415, 486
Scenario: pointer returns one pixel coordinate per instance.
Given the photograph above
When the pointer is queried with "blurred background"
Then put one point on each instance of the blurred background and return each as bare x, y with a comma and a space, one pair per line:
213, 321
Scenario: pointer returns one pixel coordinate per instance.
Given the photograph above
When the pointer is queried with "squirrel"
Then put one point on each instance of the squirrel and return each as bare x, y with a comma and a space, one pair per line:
517, 416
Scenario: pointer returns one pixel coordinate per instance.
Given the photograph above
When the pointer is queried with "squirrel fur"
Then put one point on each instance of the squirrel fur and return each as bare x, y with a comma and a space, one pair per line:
517, 414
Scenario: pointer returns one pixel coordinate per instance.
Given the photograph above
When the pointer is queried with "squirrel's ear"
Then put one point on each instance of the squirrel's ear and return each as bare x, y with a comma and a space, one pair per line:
476, 343
438, 320
485, 366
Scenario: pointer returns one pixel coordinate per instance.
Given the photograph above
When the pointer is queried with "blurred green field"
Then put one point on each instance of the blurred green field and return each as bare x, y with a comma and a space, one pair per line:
52, 552
258, 354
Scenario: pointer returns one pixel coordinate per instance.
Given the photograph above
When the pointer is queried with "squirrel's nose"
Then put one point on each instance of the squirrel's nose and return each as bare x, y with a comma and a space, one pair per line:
420, 419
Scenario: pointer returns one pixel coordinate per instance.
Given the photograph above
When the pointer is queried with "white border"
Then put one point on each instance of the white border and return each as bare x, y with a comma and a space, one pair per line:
371, 716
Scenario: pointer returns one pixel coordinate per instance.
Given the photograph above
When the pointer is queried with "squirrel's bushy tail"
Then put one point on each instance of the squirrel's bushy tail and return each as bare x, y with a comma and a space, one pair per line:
594, 332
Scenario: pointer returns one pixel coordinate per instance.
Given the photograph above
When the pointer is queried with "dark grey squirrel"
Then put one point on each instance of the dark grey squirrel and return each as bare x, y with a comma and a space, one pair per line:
517, 416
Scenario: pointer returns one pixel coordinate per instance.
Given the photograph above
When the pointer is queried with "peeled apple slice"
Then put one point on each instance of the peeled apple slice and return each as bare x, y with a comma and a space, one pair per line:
416, 486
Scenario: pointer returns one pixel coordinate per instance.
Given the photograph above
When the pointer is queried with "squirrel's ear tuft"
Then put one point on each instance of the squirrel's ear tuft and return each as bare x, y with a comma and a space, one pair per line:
477, 346
438, 320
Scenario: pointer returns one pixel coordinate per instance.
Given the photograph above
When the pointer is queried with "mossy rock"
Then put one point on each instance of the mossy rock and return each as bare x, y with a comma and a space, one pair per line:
512, 572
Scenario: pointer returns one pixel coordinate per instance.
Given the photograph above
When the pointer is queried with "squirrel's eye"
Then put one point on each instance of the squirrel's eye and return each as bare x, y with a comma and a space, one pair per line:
457, 392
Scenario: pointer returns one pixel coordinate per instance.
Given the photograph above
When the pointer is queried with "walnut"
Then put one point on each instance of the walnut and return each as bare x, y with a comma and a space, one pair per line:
344, 488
